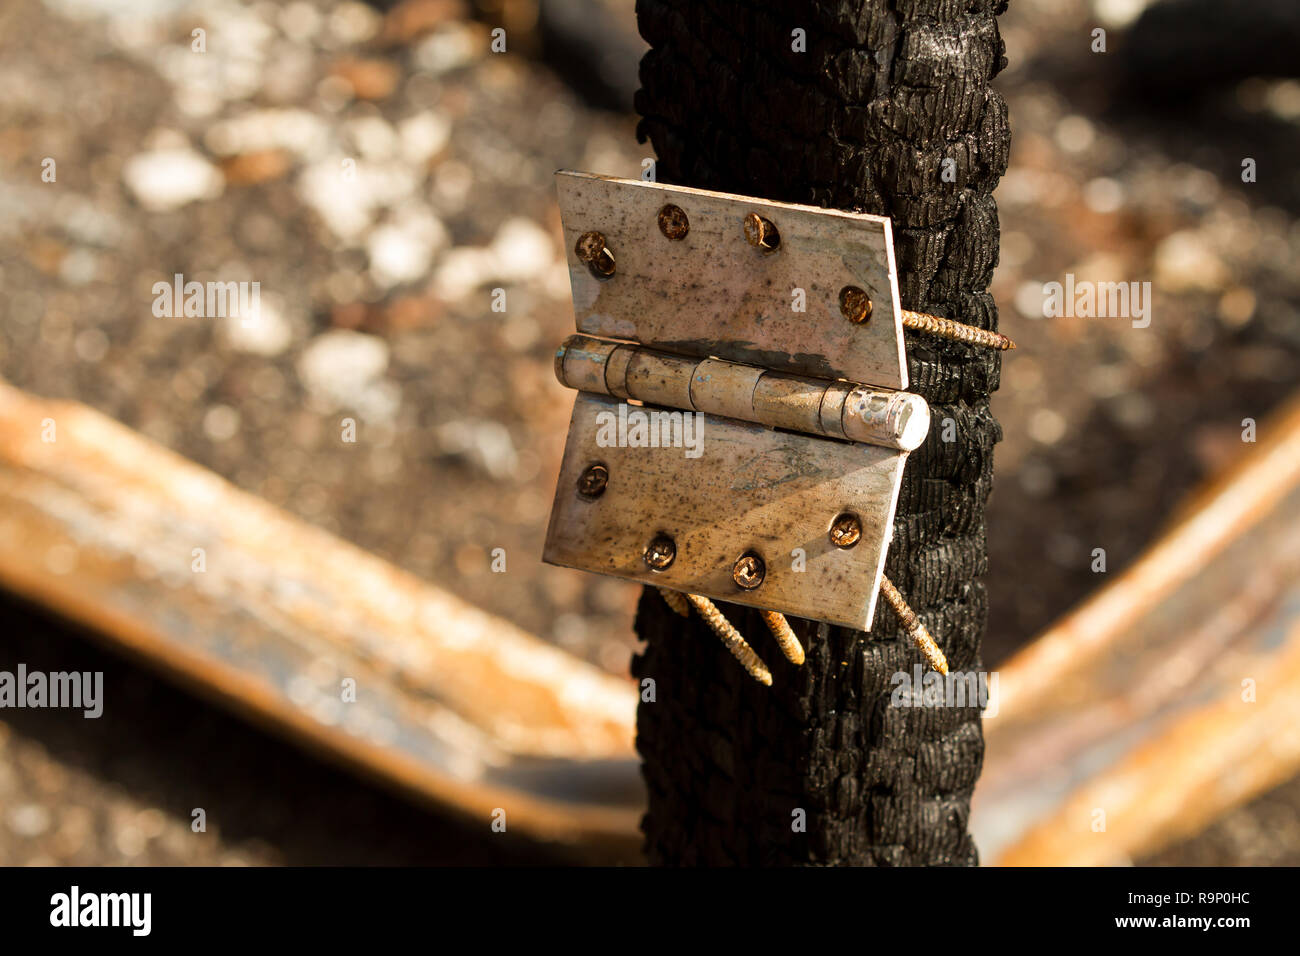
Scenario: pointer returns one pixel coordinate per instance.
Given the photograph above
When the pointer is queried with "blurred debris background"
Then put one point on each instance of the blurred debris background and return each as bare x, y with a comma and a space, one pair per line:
381, 173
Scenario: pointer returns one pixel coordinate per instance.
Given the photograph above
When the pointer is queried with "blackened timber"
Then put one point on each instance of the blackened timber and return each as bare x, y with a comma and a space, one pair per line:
819, 769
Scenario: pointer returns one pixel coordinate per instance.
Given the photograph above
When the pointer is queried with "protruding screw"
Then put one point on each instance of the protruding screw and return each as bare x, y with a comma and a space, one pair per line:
855, 304
761, 233
786, 639
592, 482
660, 552
749, 571
673, 222
913, 626
955, 330
592, 250
846, 530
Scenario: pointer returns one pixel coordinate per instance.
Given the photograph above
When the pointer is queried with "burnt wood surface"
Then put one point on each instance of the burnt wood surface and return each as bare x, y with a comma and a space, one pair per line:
862, 120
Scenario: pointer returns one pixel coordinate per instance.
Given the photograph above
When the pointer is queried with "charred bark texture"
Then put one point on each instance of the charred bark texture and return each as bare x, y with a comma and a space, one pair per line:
864, 119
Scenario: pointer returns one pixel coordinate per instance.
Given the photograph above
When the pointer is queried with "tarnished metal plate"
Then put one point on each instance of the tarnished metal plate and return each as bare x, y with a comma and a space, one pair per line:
712, 293
750, 489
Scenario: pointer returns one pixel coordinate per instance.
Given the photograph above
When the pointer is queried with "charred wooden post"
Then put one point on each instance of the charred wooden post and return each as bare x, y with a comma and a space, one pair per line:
883, 108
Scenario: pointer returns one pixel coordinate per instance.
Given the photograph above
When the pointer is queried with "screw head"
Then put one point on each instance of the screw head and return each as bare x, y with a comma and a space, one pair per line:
845, 530
592, 481
761, 233
660, 552
592, 250
855, 304
673, 222
749, 571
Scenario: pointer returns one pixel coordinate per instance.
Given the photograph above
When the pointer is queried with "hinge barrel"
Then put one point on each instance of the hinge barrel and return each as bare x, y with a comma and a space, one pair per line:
834, 409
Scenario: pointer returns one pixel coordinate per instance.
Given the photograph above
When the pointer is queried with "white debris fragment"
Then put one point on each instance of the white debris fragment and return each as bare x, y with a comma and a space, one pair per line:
266, 333
347, 192
521, 250
461, 272
294, 130
423, 136
300, 21
373, 137
449, 48
344, 369
403, 250
171, 177
352, 23
486, 443
341, 362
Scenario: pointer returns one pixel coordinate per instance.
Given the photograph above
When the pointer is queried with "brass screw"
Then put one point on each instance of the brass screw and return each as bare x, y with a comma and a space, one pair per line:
855, 304
786, 639
846, 530
761, 233
739, 647
732, 638
592, 250
913, 626
660, 552
749, 571
677, 601
949, 329
592, 482
673, 222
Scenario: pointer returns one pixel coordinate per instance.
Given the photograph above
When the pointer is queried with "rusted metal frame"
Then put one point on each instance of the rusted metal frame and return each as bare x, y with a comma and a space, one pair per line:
1171, 695
269, 615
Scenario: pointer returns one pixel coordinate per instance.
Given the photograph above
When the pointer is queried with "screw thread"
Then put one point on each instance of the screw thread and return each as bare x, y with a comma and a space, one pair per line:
949, 329
676, 600
785, 637
740, 650
912, 624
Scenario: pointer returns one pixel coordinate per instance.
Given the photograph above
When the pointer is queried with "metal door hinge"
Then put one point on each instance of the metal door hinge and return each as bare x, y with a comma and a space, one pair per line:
742, 419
